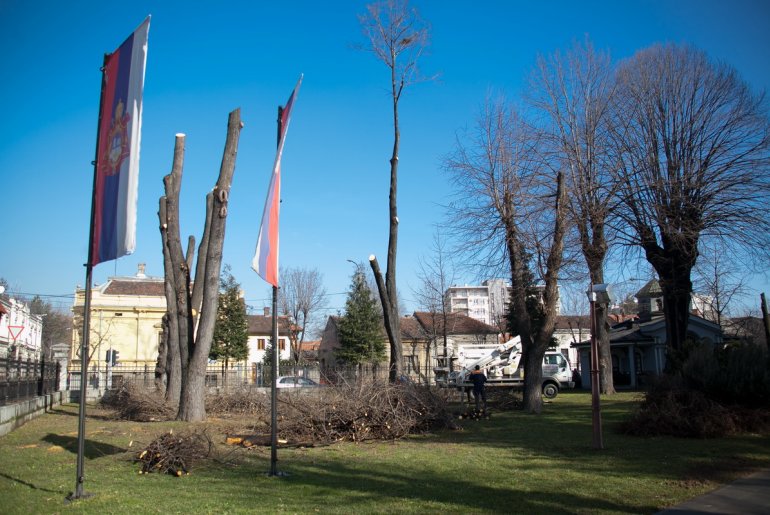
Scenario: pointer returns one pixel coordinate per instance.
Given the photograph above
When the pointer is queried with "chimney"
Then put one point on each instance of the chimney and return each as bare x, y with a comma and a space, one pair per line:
267, 311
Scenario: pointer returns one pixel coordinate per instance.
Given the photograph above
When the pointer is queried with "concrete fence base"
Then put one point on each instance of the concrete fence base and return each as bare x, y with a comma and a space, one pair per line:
16, 415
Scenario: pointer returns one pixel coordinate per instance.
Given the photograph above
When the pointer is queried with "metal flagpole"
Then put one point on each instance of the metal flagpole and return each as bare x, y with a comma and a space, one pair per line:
276, 357
84, 341
274, 391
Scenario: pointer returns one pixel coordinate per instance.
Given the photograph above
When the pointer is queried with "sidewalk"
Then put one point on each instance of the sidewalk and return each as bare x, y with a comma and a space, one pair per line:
746, 496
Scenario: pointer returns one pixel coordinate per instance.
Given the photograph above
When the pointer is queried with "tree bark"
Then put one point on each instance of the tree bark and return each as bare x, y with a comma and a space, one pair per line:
392, 324
533, 399
188, 344
192, 406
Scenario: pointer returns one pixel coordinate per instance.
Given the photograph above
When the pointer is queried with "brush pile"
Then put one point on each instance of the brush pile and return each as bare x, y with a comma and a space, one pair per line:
359, 412
174, 454
131, 402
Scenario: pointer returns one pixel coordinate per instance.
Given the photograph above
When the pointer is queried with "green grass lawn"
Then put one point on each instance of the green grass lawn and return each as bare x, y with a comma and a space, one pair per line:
512, 463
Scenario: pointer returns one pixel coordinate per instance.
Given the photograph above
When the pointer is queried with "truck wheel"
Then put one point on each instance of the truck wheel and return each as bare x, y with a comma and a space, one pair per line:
550, 390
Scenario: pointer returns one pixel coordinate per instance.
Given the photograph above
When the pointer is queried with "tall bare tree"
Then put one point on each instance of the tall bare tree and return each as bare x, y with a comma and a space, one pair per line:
574, 90
192, 307
436, 274
510, 207
692, 146
396, 36
301, 296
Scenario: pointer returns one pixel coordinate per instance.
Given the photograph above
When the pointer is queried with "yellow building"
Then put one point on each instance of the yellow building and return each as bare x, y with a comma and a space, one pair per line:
126, 315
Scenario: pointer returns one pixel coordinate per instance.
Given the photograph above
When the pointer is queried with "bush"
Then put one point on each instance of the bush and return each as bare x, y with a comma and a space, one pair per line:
672, 408
735, 375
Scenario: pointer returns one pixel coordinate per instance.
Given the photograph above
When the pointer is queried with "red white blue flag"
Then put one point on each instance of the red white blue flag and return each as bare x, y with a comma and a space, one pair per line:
116, 179
265, 261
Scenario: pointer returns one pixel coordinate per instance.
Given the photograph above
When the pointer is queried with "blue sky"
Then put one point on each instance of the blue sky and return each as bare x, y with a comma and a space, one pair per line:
207, 58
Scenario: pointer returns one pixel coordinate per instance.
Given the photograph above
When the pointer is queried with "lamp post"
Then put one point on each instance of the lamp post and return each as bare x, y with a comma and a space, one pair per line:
597, 294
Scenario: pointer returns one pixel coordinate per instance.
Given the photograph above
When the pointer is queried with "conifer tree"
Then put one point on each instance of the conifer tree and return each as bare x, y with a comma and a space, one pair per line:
231, 330
360, 329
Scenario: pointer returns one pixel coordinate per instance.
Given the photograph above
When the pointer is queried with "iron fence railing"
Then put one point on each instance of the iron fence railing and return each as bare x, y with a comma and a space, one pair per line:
24, 379
242, 374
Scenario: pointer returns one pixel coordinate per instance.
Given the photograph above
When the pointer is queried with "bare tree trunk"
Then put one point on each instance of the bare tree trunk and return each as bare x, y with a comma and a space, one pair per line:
188, 346
765, 319
192, 406
392, 324
175, 276
394, 30
533, 400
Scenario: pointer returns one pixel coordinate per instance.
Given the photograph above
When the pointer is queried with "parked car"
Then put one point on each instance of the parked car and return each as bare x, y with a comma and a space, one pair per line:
295, 382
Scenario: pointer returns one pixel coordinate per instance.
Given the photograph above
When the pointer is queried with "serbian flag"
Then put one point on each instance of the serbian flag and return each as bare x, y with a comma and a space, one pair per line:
116, 178
265, 261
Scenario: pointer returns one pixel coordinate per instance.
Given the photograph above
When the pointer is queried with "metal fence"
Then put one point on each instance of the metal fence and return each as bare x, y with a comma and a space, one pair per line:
243, 375
24, 379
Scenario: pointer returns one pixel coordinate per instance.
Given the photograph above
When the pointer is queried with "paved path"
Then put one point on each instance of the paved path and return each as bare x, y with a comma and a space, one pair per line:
747, 496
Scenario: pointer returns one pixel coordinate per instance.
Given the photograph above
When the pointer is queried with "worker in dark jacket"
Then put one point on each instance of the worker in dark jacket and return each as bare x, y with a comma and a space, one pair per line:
478, 379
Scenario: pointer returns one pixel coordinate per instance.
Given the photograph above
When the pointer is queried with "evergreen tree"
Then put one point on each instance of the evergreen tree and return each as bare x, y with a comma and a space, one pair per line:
360, 328
231, 331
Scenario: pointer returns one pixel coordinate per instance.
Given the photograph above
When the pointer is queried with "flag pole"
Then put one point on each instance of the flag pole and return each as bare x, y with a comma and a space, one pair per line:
84, 340
276, 357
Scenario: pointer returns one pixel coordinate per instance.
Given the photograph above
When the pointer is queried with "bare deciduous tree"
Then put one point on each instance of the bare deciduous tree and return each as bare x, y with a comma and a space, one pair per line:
574, 90
300, 297
719, 277
510, 206
396, 36
692, 155
436, 274
192, 307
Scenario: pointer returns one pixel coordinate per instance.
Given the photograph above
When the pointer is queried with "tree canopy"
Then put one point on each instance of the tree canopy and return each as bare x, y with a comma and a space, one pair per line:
231, 330
360, 328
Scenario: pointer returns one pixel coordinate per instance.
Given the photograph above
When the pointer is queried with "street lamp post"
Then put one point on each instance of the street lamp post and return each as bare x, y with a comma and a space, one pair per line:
597, 294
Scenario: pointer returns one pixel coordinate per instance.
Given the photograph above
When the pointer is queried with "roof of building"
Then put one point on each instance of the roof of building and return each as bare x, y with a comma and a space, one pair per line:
411, 329
310, 346
651, 289
570, 322
457, 323
150, 287
263, 325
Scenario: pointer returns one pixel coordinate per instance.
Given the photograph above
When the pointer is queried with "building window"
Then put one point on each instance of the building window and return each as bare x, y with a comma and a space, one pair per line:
261, 344
282, 344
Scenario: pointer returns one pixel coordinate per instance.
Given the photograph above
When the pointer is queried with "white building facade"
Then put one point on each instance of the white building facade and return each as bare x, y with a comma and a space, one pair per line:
21, 332
487, 303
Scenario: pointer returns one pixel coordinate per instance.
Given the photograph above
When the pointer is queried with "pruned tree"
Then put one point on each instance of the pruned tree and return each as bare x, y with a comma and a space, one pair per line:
192, 306
692, 160
510, 207
436, 274
574, 90
396, 36
301, 296
231, 330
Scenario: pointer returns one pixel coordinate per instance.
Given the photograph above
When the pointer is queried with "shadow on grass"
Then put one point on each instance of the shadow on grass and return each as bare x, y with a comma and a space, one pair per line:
93, 449
30, 485
419, 486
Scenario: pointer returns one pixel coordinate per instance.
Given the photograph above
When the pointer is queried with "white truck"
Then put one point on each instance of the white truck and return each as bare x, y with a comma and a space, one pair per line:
501, 364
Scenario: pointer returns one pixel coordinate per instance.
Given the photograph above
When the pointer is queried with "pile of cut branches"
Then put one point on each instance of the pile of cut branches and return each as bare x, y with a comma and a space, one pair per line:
364, 411
131, 402
238, 402
673, 407
174, 454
